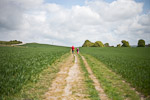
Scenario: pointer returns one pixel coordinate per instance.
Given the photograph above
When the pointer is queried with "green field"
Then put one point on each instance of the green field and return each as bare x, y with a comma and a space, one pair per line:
19, 65
131, 63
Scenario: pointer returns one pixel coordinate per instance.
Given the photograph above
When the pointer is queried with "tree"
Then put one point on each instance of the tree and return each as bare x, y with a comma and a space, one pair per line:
10, 42
119, 45
15, 42
125, 43
141, 43
98, 44
106, 44
87, 43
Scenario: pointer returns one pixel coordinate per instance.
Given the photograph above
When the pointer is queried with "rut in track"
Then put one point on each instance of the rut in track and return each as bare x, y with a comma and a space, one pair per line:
69, 84
97, 85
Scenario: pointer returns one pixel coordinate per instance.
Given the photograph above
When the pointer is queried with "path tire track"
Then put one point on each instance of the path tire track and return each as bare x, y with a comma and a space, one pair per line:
58, 84
97, 85
69, 84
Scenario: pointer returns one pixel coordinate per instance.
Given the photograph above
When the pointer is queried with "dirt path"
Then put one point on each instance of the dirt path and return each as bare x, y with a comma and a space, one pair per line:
68, 85
56, 89
97, 85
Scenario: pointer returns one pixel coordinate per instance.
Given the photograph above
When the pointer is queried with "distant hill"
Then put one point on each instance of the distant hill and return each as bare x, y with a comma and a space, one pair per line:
40, 45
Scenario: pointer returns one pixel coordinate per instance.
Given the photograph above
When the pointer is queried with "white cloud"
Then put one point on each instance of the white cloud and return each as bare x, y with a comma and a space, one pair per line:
117, 10
84, 15
32, 21
145, 20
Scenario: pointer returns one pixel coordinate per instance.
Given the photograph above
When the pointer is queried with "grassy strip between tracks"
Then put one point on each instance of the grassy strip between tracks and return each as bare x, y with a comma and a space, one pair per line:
93, 94
113, 84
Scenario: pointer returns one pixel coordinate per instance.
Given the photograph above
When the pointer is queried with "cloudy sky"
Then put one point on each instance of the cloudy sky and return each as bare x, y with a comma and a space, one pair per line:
71, 22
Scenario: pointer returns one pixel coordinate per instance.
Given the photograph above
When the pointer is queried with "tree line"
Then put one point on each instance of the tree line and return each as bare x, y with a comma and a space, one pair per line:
87, 43
10, 42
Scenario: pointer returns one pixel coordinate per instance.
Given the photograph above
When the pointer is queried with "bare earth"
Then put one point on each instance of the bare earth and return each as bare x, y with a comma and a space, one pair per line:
69, 84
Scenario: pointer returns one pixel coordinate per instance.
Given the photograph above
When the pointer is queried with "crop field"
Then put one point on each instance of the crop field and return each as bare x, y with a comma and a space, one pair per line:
131, 63
19, 65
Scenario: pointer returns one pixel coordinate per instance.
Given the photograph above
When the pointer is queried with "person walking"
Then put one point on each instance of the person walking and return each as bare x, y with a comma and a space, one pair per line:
73, 49
77, 50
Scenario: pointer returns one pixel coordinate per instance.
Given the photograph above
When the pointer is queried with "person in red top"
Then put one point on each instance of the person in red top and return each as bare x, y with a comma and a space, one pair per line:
72, 49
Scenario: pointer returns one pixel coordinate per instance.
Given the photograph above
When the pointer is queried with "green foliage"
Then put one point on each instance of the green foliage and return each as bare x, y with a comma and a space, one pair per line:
141, 43
93, 94
111, 82
98, 44
19, 65
119, 45
10, 42
125, 43
131, 63
106, 44
87, 43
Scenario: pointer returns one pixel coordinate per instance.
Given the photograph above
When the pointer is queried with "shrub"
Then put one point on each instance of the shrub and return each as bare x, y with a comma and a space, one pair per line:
106, 44
125, 43
119, 45
141, 43
98, 44
87, 43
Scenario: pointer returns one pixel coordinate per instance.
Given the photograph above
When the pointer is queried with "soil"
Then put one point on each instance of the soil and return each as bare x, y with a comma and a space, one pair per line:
69, 84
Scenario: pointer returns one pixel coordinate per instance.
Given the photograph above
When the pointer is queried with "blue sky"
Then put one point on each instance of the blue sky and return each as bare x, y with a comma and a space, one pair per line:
70, 3
67, 3
146, 5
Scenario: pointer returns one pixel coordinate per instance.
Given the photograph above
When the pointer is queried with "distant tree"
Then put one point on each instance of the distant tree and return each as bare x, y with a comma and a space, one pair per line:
112, 46
14, 42
10, 42
106, 44
98, 44
141, 43
125, 43
119, 45
87, 43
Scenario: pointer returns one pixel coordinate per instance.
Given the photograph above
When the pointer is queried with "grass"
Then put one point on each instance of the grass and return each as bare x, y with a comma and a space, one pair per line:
19, 66
93, 94
130, 63
36, 90
112, 83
